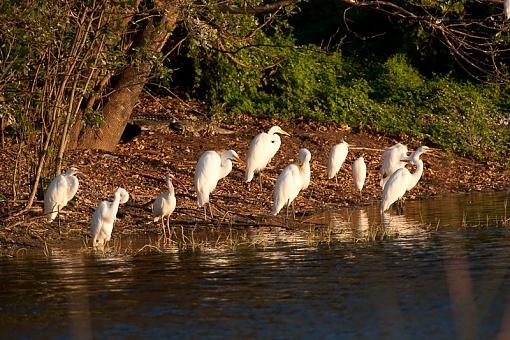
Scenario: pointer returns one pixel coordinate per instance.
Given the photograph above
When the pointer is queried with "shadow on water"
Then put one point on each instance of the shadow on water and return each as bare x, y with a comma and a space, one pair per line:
441, 269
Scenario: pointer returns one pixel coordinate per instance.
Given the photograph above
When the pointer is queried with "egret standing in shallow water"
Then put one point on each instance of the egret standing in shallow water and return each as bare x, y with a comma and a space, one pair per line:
293, 179
211, 167
393, 159
60, 191
104, 217
262, 149
165, 203
402, 180
359, 173
337, 156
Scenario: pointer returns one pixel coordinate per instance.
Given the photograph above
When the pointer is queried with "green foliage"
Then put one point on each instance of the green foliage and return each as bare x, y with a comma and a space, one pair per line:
463, 118
391, 98
399, 81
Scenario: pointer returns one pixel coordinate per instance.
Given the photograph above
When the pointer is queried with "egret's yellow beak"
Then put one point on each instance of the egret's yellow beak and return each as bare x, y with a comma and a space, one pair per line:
282, 132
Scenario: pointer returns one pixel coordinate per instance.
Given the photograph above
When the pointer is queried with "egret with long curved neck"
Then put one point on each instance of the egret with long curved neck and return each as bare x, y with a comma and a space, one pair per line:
104, 217
402, 180
211, 167
293, 179
262, 149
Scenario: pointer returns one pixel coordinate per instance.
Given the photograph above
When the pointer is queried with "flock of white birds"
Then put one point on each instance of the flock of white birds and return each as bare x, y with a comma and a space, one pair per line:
212, 166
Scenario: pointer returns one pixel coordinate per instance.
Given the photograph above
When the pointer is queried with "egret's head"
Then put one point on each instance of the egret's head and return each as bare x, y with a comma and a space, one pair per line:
304, 156
278, 130
123, 194
232, 155
415, 156
423, 149
72, 171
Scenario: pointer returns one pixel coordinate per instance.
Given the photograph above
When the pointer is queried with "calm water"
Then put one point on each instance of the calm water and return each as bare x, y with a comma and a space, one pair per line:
433, 275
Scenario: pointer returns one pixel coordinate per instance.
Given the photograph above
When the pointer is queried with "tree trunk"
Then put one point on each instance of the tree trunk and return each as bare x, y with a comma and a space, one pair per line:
127, 86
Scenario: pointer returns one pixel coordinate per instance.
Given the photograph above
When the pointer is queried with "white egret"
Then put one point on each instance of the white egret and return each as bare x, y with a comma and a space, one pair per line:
293, 179
337, 156
165, 203
60, 191
402, 180
359, 173
211, 167
262, 149
506, 9
393, 158
104, 217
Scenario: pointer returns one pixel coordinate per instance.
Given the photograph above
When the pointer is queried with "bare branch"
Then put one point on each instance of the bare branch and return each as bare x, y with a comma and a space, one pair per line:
477, 43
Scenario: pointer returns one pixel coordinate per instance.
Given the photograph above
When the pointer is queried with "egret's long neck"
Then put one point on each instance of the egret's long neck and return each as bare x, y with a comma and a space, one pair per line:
170, 186
304, 169
415, 176
115, 204
226, 167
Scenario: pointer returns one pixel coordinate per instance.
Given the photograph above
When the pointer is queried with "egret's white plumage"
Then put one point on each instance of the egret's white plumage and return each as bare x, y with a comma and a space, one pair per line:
359, 173
506, 9
165, 203
402, 180
211, 167
262, 149
60, 191
393, 158
293, 179
337, 156
104, 217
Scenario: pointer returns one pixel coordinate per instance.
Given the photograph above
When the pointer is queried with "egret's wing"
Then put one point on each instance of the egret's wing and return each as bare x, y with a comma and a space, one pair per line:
333, 165
287, 187
395, 188
99, 217
386, 158
208, 171
207, 175
72, 187
337, 156
55, 194
359, 173
258, 152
